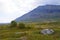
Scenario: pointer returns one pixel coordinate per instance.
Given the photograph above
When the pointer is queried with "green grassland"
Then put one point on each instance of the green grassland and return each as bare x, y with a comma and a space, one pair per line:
31, 32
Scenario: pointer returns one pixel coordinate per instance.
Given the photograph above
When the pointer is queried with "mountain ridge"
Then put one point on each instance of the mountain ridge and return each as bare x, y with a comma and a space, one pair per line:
41, 13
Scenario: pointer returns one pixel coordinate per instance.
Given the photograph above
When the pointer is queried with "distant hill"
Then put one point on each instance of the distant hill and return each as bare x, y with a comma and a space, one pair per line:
41, 14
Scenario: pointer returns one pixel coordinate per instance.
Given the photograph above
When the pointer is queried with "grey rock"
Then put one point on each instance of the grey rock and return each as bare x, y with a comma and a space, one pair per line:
47, 31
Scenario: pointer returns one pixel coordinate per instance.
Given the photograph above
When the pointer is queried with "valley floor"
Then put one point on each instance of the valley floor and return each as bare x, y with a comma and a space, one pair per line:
7, 33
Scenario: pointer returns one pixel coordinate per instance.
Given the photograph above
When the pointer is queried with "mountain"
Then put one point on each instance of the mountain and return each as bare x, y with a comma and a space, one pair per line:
41, 14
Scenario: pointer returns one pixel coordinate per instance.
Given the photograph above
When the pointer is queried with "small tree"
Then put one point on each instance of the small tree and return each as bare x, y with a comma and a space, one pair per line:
21, 25
13, 24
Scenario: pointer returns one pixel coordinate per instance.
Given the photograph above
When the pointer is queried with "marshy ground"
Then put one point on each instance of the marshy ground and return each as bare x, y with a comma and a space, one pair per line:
31, 32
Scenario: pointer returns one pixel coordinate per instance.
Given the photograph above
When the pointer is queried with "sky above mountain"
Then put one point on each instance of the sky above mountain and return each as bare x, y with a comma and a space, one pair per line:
11, 9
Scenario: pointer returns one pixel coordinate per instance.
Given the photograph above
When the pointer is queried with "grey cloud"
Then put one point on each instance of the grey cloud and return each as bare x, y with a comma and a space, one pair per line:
57, 2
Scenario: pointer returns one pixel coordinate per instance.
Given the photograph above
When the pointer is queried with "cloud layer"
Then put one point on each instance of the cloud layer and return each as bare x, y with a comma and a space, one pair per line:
11, 9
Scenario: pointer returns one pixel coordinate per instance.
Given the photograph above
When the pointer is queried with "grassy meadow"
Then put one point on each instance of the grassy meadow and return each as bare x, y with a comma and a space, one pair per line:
30, 32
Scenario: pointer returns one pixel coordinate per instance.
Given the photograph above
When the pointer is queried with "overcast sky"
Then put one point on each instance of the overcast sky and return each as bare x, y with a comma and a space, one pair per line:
11, 9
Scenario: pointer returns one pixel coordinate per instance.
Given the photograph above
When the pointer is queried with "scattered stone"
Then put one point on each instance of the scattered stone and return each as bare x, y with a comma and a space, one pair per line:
19, 32
23, 38
47, 31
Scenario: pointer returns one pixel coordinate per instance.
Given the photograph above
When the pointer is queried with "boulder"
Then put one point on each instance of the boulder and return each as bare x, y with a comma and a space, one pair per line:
47, 31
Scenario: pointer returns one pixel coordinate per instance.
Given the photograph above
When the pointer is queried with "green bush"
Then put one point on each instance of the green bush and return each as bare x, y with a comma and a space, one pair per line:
28, 27
13, 24
21, 25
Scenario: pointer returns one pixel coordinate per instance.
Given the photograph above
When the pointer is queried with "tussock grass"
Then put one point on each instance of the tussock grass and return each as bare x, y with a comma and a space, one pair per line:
31, 32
